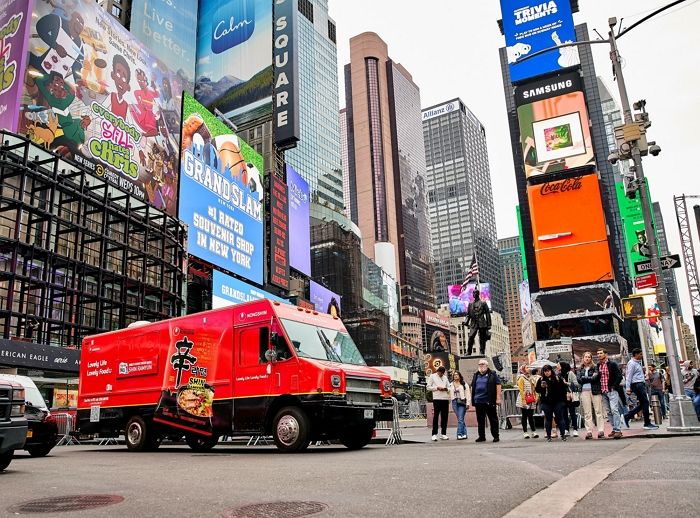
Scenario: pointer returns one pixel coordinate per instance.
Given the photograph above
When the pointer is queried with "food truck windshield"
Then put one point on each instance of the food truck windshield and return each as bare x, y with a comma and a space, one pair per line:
322, 343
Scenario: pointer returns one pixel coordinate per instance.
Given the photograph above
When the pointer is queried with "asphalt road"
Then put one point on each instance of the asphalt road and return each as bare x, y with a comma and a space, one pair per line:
632, 477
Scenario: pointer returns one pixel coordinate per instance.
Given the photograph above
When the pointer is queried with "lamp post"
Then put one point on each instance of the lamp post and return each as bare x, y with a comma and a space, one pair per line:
632, 133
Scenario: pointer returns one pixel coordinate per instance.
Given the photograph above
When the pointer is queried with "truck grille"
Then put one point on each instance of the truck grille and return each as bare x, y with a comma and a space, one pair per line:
5, 403
363, 391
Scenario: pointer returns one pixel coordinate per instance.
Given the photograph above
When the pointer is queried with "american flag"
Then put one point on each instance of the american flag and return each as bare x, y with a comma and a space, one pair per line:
472, 274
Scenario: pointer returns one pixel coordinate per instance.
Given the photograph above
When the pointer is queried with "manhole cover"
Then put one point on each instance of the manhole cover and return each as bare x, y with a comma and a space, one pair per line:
276, 510
62, 504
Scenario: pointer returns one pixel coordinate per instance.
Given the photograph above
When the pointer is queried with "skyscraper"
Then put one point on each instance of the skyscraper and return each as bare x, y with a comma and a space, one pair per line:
512, 274
460, 199
386, 168
317, 155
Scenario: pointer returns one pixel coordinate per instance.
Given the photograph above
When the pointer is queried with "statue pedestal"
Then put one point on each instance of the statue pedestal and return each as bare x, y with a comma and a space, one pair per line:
469, 365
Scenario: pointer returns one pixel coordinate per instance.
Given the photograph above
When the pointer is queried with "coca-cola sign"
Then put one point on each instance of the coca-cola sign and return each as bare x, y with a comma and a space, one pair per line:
570, 184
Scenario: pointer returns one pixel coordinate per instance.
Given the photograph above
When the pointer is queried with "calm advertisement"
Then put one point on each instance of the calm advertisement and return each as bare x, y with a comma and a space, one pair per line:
324, 300
169, 29
14, 19
234, 58
554, 130
94, 94
229, 290
299, 211
436, 332
222, 193
534, 25
460, 298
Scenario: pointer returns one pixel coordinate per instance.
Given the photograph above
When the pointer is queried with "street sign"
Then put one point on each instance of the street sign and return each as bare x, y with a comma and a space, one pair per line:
648, 280
566, 340
557, 348
667, 262
633, 308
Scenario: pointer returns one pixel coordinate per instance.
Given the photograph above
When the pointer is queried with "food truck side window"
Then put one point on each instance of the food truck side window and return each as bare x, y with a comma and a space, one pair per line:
252, 346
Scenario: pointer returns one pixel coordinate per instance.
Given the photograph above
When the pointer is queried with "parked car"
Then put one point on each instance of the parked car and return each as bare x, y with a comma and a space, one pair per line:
43, 429
13, 425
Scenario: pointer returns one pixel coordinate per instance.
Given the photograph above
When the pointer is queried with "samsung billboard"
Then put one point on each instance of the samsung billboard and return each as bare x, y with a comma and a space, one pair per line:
534, 25
221, 194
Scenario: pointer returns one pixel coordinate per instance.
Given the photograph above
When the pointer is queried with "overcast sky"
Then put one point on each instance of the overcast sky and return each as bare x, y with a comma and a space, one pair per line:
450, 47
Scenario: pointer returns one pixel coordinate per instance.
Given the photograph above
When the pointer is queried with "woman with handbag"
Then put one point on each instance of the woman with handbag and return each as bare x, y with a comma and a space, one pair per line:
572, 398
527, 400
461, 398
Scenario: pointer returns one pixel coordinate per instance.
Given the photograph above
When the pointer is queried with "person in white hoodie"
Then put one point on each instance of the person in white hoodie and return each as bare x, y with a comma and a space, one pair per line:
461, 397
438, 384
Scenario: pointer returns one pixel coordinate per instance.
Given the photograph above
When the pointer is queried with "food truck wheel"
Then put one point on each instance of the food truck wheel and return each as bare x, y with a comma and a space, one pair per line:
41, 450
200, 443
356, 437
291, 429
5, 459
140, 436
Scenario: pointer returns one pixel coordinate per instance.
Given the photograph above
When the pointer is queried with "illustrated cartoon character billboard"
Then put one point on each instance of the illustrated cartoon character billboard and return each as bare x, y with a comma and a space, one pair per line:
94, 94
14, 20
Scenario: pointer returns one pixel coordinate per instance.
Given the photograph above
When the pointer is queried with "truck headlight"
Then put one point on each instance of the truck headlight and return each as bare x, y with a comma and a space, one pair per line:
386, 386
18, 407
335, 381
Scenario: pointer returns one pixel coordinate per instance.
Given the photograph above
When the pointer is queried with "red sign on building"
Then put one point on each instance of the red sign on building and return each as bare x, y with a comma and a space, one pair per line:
646, 281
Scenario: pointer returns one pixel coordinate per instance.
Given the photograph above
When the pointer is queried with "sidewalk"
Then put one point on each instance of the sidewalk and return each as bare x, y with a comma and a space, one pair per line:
417, 431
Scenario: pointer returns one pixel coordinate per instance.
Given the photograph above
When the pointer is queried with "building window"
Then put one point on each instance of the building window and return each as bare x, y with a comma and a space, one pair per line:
331, 31
307, 9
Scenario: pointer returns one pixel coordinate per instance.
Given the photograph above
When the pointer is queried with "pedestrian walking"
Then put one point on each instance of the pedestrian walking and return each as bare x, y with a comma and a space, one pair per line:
635, 384
486, 392
552, 391
527, 400
573, 399
591, 400
460, 395
690, 374
696, 399
438, 384
610, 378
656, 386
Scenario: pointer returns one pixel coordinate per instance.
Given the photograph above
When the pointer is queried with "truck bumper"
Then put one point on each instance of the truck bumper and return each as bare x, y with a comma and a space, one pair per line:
329, 420
13, 437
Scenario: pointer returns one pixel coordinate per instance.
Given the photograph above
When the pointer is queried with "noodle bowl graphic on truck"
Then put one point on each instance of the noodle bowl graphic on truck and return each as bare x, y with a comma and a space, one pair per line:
258, 368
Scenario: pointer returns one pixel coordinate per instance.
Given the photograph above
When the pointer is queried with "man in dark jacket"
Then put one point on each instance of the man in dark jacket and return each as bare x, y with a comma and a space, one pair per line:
610, 378
486, 395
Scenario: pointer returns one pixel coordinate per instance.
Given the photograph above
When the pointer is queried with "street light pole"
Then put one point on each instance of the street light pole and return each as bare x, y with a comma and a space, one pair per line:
682, 409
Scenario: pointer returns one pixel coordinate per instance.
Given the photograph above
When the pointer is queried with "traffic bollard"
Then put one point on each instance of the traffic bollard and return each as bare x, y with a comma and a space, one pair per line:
656, 409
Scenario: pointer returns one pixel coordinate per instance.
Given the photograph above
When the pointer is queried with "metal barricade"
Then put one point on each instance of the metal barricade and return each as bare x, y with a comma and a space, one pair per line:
393, 426
65, 430
508, 410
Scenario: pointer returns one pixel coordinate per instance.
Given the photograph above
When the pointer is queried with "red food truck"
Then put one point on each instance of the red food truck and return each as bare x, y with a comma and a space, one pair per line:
258, 368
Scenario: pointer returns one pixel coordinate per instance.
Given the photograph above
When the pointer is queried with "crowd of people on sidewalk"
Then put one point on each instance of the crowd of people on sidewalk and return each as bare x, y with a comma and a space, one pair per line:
593, 393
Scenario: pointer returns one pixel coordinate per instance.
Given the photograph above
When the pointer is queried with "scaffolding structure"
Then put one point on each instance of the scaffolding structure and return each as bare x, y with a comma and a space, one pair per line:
691, 269
79, 256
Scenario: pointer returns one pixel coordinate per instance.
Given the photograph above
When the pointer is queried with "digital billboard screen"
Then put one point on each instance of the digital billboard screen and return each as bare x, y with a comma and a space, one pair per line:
221, 194
569, 232
228, 290
584, 301
554, 128
95, 94
436, 332
636, 241
234, 58
459, 298
324, 300
169, 29
14, 20
531, 26
299, 214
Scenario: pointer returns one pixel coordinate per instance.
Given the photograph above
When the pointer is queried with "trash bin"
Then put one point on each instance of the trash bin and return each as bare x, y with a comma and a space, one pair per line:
656, 409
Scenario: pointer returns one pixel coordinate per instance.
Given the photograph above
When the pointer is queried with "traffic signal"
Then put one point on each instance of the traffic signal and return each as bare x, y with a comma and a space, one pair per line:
633, 308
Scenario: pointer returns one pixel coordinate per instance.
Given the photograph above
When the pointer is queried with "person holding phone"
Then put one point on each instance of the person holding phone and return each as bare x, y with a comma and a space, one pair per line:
438, 384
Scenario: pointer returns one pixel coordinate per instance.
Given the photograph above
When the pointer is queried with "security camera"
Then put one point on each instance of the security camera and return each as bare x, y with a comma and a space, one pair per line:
613, 157
654, 149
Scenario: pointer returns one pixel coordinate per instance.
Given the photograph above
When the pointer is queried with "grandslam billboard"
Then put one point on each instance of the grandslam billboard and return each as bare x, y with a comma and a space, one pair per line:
554, 127
95, 94
222, 194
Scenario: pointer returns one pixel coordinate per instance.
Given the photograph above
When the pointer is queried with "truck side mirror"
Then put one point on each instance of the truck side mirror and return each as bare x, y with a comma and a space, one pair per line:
271, 355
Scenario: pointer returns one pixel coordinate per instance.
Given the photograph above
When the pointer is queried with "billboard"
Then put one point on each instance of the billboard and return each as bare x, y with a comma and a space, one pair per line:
653, 318
234, 58
324, 300
14, 20
95, 94
436, 332
228, 290
278, 223
636, 244
534, 25
459, 299
554, 127
299, 214
433, 360
597, 299
613, 344
221, 199
169, 29
569, 232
